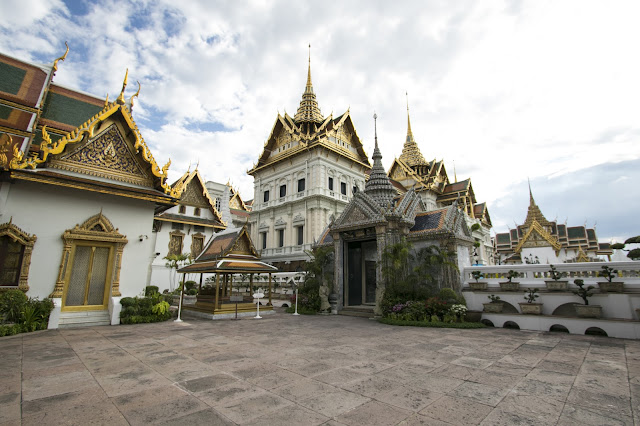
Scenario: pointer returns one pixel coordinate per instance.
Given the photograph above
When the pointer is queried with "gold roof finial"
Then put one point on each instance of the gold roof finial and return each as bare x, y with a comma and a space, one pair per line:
135, 95
61, 58
455, 175
106, 101
308, 111
120, 99
411, 154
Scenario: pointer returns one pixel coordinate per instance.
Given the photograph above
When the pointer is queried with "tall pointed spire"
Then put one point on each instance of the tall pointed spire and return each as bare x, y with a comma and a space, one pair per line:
308, 111
379, 186
534, 212
411, 154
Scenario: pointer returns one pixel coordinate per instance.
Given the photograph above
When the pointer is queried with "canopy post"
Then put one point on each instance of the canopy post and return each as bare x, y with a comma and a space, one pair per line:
269, 304
250, 283
200, 286
215, 307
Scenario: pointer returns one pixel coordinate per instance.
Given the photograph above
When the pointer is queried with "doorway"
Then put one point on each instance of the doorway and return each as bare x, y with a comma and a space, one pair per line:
89, 279
361, 273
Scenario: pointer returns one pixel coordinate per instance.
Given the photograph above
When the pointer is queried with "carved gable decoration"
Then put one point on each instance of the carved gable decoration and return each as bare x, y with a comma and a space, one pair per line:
362, 210
243, 245
193, 196
106, 155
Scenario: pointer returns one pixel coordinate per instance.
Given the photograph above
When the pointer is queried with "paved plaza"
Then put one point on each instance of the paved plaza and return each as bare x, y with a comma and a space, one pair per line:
312, 370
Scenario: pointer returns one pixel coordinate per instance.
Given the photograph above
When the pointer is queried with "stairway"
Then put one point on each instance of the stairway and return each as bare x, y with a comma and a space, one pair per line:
84, 319
365, 311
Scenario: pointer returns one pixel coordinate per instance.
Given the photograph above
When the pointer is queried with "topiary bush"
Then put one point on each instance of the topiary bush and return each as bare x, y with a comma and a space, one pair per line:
150, 289
138, 310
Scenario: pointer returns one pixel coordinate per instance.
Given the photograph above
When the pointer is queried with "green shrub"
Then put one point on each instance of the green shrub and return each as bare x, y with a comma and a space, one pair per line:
150, 289
435, 324
160, 308
192, 291
128, 301
10, 329
190, 285
12, 303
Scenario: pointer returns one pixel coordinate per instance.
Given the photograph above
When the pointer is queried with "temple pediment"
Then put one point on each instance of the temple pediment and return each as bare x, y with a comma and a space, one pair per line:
106, 155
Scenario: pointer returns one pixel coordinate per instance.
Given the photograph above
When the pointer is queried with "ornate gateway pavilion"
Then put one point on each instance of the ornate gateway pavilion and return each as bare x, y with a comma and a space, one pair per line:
78, 191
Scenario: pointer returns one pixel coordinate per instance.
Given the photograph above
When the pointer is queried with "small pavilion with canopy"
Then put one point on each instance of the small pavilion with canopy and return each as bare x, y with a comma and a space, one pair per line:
227, 253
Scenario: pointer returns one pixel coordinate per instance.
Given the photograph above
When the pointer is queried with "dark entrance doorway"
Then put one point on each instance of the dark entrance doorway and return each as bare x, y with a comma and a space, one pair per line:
361, 272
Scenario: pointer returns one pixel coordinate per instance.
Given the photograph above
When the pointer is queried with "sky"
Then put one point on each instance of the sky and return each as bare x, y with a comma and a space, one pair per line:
502, 91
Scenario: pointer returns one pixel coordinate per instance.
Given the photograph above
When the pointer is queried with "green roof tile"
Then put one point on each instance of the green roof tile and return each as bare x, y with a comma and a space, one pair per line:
64, 109
11, 78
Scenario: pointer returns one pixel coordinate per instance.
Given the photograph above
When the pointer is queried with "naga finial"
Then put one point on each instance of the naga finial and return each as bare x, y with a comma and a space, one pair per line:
61, 58
120, 99
135, 95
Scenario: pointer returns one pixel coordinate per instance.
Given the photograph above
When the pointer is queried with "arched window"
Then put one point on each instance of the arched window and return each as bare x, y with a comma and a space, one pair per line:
15, 256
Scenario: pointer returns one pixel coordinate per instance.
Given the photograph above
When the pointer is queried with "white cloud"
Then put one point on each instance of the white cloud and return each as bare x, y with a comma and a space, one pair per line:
507, 90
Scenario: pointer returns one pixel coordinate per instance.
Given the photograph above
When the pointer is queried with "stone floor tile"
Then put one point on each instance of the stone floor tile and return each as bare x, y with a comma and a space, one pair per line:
507, 368
455, 371
333, 403
10, 407
598, 384
421, 420
41, 387
101, 413
472, 362
278, 378
291, 414
371, 386
247, 409
126, 382
457, 411
602, 401
540, 389
159, 404
340, 376
208, 382
498, 417
70, 401
302, 389
369, 367
531, 407
559, 367
374, 413
551, 377
495, 378
408, 397
485, 394
224, 394
577, 415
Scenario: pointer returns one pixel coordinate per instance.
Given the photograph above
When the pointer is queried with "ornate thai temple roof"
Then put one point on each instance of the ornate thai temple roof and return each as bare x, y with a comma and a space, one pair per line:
411, 154
534, 213
379, 186
308, 111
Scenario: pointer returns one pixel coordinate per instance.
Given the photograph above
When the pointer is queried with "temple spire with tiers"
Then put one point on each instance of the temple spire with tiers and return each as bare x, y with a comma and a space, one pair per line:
379, 186
411, 154
308, 111
534, 212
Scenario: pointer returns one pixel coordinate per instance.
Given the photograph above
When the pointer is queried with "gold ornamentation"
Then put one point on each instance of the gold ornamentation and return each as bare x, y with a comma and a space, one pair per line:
120, 99
529, 239
26, 240
61, 58
192, 197
176, 239
135, 95
5, 148
108, 156
197, 244
97, 228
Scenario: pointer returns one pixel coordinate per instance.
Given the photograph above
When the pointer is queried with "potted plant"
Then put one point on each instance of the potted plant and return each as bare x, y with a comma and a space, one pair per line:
494, 306
586, 310
510, 285
478, 285
609, 285
531, 307
556, 284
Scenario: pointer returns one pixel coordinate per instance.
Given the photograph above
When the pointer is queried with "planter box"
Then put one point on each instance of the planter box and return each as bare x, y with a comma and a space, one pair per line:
510, 286
613, 287
588, 311
473, 316
494, 308
531, 308
479, 286
559, 285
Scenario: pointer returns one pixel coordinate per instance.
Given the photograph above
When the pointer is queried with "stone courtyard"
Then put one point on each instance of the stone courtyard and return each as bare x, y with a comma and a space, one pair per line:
312, 370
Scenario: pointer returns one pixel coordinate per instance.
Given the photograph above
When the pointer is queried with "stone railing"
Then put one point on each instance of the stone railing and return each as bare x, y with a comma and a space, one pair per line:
532, 275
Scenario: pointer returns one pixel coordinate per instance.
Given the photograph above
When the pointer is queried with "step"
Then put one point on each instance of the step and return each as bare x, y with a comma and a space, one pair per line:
358, 311
84, 319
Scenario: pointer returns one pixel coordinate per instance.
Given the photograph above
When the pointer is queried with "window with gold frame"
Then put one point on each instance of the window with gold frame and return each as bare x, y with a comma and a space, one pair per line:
16, 247
176, 240
197, 244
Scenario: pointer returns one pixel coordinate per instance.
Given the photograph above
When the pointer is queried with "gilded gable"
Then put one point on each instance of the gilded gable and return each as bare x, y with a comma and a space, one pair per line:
106, 155
193, 196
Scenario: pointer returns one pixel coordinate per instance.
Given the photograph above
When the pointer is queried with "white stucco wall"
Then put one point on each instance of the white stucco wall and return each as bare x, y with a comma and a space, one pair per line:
47, 211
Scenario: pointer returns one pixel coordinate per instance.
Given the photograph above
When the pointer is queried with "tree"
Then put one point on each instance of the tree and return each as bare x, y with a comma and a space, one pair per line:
319, 272
633, 254
175, 262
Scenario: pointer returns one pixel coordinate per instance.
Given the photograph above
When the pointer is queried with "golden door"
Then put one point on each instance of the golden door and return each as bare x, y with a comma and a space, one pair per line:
89, 279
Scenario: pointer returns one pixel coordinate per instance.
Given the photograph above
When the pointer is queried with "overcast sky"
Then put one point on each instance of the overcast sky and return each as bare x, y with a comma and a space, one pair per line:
546, 90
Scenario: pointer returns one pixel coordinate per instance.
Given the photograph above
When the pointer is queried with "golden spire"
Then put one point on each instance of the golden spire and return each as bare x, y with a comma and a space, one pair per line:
61, 58
411, 154
308, 111
120, 99
106, 101
534, 213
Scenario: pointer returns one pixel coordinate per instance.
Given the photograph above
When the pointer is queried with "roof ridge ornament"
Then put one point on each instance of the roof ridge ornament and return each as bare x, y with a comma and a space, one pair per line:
120, 99
411, 154
61, 58
135, 95
308, 111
